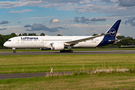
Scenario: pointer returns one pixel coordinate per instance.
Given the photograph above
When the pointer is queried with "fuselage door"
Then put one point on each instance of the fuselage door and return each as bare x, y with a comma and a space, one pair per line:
42, 41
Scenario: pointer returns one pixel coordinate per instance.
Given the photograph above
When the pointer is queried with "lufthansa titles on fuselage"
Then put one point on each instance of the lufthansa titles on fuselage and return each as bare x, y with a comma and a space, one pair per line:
29, 38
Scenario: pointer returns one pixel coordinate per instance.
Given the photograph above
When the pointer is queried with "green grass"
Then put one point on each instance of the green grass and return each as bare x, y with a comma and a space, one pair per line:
103, 81
42, 63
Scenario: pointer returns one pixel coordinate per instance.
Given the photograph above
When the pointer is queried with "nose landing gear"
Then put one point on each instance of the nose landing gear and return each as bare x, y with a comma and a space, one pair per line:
14, 51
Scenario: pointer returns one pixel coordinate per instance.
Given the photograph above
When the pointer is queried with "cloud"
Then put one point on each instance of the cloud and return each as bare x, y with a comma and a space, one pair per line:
82, 20
20, 3
130, 21
39, 27
127, 3
55, 21
98, 19
23, 11
107, 1
4, 22
110, 7
27, 26
3, 28
106, 7
60, 1
31, 18
87, 20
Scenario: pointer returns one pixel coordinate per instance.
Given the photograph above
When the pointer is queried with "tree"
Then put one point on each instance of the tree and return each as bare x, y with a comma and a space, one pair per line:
97, 34
94, 34
1, 40
125, 40
102, 33
120, 37
130, 40
13, 35
59, 35
32, 34
42, 34
24, 34
20, 34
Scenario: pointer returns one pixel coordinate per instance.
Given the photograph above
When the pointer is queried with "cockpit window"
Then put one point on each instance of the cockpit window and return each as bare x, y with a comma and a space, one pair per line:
9, 40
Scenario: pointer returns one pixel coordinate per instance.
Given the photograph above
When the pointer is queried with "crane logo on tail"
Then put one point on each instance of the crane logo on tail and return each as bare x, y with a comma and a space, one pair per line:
113, 32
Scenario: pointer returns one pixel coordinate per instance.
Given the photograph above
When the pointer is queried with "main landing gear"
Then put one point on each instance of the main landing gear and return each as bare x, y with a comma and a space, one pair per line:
66, 51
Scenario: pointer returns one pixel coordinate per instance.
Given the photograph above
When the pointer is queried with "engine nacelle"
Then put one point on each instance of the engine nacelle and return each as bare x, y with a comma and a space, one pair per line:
57, 46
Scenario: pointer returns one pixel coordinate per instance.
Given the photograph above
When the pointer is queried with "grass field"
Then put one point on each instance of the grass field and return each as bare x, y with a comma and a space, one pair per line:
103, 81
42, 63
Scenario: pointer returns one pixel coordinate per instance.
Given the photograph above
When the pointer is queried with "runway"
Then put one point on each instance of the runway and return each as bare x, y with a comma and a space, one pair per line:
75, 52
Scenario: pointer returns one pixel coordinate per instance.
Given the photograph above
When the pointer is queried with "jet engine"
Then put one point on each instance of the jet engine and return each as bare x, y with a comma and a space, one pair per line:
57, 46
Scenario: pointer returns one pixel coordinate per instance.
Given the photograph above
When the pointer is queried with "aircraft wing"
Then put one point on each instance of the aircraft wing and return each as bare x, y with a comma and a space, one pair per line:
83, 39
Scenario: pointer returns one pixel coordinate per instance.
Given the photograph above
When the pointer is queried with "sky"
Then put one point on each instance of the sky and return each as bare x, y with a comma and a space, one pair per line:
53, 17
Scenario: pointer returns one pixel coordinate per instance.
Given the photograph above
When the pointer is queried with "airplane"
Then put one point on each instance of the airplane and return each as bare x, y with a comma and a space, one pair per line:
62, 42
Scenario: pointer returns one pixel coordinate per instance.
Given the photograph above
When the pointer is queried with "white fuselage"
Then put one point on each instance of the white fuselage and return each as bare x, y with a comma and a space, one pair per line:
44, 41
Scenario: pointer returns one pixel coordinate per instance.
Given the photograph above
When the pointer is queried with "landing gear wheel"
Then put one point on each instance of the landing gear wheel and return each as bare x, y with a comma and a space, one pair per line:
14, 51
71, 51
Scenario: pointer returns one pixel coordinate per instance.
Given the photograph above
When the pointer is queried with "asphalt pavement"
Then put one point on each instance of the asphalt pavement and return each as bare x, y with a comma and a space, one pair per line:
75, 52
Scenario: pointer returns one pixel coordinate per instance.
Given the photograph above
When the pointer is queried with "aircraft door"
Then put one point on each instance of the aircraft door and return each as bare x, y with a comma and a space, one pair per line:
17, 40
42, 41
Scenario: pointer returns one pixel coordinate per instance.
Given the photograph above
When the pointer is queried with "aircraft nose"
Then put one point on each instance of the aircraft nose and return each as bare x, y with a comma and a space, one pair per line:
6, 44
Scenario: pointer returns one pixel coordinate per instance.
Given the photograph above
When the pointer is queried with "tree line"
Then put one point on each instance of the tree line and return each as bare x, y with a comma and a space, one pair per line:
124, 40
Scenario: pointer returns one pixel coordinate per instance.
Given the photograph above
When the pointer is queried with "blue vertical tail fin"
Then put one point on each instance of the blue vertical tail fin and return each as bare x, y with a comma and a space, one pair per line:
110, 38
113, 30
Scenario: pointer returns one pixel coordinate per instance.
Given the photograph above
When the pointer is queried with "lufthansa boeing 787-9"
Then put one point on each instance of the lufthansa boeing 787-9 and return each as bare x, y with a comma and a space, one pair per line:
61, 42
